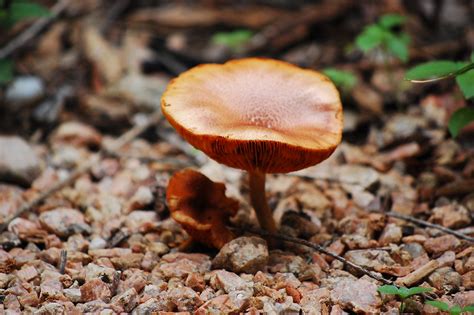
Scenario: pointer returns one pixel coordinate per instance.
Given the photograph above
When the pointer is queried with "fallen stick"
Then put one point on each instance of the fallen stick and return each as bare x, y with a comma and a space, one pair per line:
428, 224
83, 168
284, 32
27, 35
418, 274
398, 215
317, 248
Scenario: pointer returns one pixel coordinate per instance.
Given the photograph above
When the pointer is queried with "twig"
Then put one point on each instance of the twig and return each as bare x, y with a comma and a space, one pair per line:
428, 224
402, 216
329, 179
317, 248
152, 159
430, 51
286, 31
418, 274
27, 35
113, 13
42, 196
168, 61
84, 168
63, 261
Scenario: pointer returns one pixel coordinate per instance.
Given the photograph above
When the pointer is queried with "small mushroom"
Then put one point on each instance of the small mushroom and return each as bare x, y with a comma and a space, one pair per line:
259, 115
201, 207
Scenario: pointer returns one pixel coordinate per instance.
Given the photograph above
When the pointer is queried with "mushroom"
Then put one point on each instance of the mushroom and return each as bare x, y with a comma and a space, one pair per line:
201, 207
259, 115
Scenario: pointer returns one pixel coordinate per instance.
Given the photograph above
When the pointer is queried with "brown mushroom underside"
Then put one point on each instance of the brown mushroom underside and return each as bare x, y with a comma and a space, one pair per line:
201, 207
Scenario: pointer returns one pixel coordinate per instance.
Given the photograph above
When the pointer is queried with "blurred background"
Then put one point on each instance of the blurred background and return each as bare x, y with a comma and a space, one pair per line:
105, 61
75, 75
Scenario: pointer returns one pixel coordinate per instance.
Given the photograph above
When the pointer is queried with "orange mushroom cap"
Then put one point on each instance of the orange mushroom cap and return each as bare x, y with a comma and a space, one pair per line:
201, 207
256, 114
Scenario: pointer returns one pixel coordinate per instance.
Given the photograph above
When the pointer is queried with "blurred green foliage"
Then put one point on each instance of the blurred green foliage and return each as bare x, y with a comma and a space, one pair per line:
402, 293
383, 35
12, 12
442, 69
233, 40
17, 10
6, 70
454, 310
342, 79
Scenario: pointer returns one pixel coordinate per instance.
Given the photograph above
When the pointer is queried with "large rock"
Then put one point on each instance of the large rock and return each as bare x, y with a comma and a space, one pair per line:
95, 290
445, 279
372, 259
243, 254
359, 295
180, 265
18, 162
10, 200
314, 301
24, 90
64, 222
441, 244
452, 216
228, 281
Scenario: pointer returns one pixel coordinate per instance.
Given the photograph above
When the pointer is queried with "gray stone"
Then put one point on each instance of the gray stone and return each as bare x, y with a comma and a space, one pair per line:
229, 281
242, 255
64, 222
18, 161
359, 295
127, 300
371, 259
24, 90
392, 234
445, 279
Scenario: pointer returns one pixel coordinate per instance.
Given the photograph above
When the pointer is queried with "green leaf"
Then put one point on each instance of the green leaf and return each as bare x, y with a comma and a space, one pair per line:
403, 293
342, 79
455, 310
469, 308
371, 37
415, 290
233, 40
439, 304
433, 69
472, 56
459, 119
390, 20
397, 46
6, 70
20, 10
466, 83
388, 289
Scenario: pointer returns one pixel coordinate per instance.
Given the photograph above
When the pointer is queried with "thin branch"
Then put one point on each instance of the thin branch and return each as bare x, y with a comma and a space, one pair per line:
45, 194
399, 215
27, 35
316, 247
84, 168
428, 224
114, 12
175, 163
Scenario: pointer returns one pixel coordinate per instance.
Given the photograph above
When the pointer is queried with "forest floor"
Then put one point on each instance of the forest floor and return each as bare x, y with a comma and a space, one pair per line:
86, 156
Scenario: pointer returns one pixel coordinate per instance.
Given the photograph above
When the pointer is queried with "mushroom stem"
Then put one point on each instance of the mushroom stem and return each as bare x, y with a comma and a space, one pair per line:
259, 201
